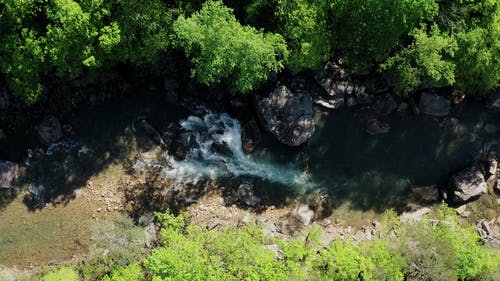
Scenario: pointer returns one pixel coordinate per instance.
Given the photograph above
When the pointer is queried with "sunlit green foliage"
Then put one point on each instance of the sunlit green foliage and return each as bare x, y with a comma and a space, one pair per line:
219, 47
428, 62
304, 25
62, 274
131, 272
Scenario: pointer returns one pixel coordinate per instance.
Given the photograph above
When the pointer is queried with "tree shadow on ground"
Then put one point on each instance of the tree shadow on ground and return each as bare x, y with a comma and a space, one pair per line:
102, 136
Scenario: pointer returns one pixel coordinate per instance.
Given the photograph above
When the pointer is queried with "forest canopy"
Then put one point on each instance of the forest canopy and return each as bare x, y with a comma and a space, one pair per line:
414, 44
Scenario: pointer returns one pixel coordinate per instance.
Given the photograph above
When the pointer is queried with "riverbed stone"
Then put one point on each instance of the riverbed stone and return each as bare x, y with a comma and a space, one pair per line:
434, 105
8, 173
250, 136
336, 83
493, 101
303, 214
427, 194
415, 215
50, 130
375, 126
385, 105
245, 193
288, 116
468, 184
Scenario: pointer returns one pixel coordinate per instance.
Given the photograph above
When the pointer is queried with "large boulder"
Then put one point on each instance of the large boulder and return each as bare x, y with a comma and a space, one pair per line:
50, 130
468, 184
288, 116
493, 101
303, 214
434, 105
4, 97
8, 173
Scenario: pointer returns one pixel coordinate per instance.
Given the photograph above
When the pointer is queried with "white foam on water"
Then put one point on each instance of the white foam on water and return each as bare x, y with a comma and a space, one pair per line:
204, 160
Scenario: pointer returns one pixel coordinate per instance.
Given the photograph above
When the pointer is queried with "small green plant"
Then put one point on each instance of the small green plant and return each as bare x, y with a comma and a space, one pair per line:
62, 274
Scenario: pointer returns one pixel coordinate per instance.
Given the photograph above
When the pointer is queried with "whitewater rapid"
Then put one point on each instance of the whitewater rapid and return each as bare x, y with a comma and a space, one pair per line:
218, 153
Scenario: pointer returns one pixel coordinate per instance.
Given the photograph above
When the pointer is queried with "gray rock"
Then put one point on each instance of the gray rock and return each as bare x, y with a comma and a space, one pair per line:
385, 105
303, 214
414, 215
246, 195
4, 97
374, 126
361, 94
278, 253
462, 211
468, 185
434, 105
8, 173
50, 130
250, 135
493, 101
336, 83
150, 236
287, 116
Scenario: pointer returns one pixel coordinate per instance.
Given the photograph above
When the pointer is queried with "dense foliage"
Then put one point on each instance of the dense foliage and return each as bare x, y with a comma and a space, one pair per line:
220, 47
415, 44
438, 249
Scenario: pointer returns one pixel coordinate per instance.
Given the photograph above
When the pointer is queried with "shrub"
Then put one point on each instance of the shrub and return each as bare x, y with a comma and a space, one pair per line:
62, 274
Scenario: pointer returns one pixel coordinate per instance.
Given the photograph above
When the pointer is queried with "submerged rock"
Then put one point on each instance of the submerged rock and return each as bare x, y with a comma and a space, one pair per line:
493, 101
374, 126
288, 116
250, 135
8, 173
4, 97
171, 87
50, 130
427, 194
386, 105
468, 185
434, 105
3, 136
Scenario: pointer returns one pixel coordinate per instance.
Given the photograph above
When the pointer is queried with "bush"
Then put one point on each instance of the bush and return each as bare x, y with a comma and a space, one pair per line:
132, 272
222, 49
62, 274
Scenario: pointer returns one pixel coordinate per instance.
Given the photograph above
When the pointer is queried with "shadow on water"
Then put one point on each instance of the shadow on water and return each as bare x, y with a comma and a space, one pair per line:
376, 172
102, 136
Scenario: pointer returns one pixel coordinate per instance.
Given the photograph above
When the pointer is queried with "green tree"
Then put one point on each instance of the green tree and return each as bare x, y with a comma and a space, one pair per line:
219, 47
304, 25
365, 32
427, 62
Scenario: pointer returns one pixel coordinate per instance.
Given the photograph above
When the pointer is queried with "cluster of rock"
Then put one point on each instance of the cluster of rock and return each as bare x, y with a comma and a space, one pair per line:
472, 182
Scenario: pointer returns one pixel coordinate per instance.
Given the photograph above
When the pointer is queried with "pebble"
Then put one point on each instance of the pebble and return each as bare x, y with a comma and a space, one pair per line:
99, 209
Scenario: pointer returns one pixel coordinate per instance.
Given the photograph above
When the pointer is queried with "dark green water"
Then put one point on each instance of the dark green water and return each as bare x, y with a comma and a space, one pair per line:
375, 172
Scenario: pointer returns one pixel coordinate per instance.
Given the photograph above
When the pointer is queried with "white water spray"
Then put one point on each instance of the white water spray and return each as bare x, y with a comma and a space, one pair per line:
219, 153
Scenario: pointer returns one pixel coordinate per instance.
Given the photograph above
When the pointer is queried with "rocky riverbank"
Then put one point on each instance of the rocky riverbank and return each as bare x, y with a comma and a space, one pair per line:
81, 168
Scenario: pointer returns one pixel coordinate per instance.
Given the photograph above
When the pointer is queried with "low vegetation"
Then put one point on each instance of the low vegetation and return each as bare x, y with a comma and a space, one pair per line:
432, 249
